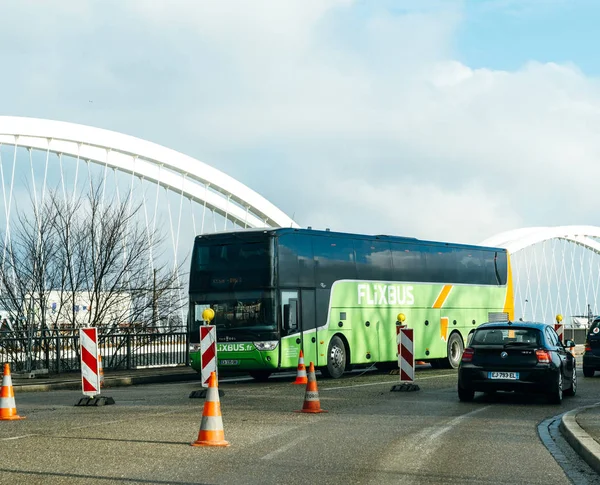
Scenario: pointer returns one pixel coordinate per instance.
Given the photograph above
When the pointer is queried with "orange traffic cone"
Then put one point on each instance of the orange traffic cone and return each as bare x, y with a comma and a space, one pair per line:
301, 377
311, 397
8, 408
211, 428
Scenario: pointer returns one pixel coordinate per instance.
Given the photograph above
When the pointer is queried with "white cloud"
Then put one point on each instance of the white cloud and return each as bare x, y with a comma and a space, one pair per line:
348, 117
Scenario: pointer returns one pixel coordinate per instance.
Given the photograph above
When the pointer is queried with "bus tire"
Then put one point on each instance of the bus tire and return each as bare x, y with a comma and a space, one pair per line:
260, 375
337, 358
455, 349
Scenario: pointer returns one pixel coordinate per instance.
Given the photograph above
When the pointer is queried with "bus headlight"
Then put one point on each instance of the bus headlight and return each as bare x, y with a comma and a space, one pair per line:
267, 345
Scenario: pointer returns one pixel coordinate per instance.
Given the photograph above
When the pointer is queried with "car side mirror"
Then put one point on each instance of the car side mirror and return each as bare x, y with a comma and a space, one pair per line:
569, 344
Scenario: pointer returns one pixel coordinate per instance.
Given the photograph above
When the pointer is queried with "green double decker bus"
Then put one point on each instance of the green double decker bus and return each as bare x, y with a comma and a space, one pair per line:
335, 296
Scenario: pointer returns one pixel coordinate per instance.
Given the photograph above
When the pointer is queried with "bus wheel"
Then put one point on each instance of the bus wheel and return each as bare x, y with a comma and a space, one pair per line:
336, 359
455, 351
260, 375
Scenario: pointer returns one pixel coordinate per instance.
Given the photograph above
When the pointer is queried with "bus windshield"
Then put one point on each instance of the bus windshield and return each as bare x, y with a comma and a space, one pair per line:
231, 265
248, 313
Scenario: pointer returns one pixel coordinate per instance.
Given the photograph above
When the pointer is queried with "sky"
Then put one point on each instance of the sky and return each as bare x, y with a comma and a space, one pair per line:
438, 119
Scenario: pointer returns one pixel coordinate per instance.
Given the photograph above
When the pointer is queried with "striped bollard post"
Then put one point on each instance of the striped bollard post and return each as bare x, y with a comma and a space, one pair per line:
559, 328
90, 369
406, 356
208, 354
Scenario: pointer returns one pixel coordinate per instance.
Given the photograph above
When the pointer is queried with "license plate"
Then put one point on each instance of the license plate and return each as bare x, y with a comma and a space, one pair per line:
503, 375
229, 362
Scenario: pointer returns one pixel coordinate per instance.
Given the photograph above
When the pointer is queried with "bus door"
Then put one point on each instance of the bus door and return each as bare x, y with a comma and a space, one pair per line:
298, 330
308, 325
291, 332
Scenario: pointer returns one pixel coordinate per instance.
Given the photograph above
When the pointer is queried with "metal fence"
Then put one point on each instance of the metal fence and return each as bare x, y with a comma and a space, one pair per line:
57, 352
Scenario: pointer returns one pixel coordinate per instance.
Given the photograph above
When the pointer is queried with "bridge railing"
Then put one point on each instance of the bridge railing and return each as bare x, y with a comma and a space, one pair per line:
59, 352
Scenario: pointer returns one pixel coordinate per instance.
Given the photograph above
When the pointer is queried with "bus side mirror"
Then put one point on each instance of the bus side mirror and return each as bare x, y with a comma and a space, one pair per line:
290, 315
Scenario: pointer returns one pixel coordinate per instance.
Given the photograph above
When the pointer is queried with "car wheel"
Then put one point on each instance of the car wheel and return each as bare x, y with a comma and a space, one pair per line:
465, 395
573, 389
336, 359
556, 395
588, 372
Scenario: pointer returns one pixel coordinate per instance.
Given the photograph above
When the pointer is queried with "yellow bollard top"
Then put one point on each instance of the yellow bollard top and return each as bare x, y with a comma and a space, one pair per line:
208, 315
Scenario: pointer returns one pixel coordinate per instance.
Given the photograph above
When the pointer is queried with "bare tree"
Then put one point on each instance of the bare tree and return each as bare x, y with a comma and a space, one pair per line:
29, 268
97, 262
126, 273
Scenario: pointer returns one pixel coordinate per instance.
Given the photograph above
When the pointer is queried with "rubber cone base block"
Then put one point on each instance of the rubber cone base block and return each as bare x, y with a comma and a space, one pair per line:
95, 401
406, 387
314, 411
202, 394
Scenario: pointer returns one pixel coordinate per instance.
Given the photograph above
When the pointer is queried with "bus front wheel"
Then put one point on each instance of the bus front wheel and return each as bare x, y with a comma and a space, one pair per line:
336, 359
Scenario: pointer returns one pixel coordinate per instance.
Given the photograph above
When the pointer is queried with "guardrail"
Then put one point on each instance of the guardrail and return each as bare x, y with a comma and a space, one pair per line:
61, 353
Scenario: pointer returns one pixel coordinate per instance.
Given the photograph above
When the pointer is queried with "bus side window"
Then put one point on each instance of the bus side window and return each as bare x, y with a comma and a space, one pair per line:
290, 315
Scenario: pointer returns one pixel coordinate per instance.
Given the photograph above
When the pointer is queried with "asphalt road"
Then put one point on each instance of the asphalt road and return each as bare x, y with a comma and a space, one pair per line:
368, 436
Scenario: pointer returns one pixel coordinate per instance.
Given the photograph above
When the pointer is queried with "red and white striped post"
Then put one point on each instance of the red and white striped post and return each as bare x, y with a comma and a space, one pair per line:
406, 356
559, 328
91, 380
208, 352
90, 367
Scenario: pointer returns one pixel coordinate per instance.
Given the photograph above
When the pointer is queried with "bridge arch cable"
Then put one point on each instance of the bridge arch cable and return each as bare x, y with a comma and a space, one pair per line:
556, 270
174, 191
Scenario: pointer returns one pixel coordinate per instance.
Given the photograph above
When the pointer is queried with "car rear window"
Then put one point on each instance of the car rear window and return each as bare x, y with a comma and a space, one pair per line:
503, 336
595, 326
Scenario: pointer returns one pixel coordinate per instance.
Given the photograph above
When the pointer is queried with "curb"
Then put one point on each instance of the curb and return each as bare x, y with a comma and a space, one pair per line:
109, 382
581, 442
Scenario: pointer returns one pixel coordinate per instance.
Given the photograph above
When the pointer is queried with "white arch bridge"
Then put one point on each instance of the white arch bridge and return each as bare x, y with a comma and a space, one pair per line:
556, 269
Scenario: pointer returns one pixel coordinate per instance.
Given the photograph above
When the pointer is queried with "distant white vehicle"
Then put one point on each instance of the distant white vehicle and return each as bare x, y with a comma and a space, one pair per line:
579, 321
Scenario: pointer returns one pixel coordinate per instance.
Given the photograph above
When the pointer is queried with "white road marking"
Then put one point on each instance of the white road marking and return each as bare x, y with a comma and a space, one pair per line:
86, 426
385, 382
18, 437
284, 448
429, 435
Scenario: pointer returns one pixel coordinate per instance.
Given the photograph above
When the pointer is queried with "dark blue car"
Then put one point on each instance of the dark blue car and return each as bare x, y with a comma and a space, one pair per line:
517, 357
591, 357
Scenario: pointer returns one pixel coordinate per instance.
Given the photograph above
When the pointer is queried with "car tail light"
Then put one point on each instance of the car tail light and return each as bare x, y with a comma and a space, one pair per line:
543, 356
467, 355
588, 347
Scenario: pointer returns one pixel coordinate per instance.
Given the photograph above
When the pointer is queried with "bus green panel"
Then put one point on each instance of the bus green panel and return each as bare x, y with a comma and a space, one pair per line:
370, 311
290, 352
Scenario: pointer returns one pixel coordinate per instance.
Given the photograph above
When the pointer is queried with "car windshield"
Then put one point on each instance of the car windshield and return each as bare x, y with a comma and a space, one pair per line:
506, 336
